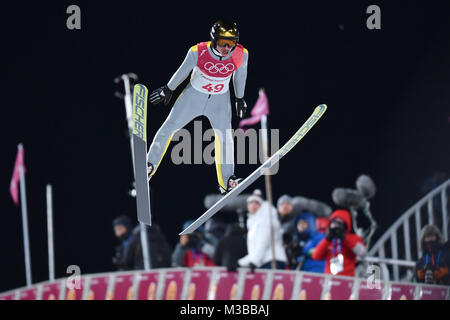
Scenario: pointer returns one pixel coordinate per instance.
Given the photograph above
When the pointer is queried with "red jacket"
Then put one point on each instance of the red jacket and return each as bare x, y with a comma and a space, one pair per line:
196, 258
324, 249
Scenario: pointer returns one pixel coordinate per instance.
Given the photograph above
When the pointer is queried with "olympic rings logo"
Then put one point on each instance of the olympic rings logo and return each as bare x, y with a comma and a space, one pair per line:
219, 67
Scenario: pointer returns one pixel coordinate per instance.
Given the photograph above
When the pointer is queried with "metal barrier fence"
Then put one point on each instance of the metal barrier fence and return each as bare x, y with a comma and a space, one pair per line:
215, 283
431, 209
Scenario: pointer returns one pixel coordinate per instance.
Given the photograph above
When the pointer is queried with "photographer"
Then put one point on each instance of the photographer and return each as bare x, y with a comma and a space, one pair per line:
432, 267
340, 247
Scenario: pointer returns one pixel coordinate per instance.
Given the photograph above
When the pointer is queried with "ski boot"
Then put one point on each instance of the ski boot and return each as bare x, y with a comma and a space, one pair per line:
149, 170
233, 181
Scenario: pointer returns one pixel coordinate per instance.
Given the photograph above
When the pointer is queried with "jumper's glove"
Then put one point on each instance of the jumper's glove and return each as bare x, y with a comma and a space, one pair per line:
241, 107
160, 94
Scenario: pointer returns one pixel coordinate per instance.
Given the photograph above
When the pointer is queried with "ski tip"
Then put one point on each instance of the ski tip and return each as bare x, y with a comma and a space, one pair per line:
184, 232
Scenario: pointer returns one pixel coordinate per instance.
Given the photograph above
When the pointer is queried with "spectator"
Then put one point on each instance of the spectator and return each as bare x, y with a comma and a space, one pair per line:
195, 255
180, 251
340, 247
432, 267
259, 235
287, 216
192, 250
322, 224
125, 256
231, 247
308, 239
159, 248
214, 231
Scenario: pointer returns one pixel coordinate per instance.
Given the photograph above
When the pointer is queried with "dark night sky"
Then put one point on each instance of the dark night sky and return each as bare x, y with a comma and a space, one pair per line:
387, 91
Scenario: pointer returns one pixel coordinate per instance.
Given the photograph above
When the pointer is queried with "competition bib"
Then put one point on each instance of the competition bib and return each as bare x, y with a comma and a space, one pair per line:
211, 76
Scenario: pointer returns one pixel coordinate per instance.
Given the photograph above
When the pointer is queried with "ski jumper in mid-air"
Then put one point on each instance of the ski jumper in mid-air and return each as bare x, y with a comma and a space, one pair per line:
213, 64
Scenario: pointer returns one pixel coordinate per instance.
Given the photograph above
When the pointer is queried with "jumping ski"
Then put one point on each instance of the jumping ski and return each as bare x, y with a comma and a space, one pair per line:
230, 196
140, 94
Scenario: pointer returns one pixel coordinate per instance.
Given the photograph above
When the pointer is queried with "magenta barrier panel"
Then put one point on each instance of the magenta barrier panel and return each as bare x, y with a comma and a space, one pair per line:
218, 284
402, 291
199, 284
28, 293
340, 289
8, 296
311, 287
148, 285
173, 285
98, 286
254, 284
227, 285
74, 290
123, 287
370, 291
51, 291
282, 285
433, 293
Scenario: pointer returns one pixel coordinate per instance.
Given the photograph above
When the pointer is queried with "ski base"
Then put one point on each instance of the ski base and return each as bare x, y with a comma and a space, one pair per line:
263, 169
140, 153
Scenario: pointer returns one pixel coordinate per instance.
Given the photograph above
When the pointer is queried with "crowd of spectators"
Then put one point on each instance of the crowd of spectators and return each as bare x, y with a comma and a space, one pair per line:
280, 238
273, 237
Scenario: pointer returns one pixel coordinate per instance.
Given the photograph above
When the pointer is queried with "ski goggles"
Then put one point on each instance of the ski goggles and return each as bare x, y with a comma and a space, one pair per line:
226, 42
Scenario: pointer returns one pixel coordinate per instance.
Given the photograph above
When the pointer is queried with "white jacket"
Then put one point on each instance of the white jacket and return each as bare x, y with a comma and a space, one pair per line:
258, 238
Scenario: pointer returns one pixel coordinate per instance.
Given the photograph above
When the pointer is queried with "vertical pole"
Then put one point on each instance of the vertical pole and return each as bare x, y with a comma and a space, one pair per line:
26, 244
444, 213
268, 183
51, 259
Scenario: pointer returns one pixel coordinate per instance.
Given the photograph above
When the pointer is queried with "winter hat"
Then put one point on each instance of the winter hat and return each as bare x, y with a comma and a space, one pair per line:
284, 198
256, 196
122, 220
428, 231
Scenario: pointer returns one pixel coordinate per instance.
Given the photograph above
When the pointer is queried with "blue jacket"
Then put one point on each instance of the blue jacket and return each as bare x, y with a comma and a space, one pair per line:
310, 239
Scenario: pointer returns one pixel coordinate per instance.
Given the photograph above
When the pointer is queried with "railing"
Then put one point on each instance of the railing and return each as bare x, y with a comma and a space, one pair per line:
431, 209
215, 283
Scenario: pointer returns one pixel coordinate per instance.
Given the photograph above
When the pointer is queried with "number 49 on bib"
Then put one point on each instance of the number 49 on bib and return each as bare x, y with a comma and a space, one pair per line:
216, 88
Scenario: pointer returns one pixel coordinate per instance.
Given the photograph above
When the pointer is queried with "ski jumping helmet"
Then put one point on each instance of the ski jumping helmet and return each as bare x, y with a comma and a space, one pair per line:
224, 29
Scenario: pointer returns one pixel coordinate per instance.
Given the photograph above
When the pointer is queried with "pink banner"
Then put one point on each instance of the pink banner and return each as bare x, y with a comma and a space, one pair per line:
226, 287
370, 291
173, 285
74, 293
261, 108
282, 286
402, 292
28, 294
433, 293
98, 287
340, 289
148, 283
199, 284
123, 287
311, 288
254, 285
14, 185
51, 291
